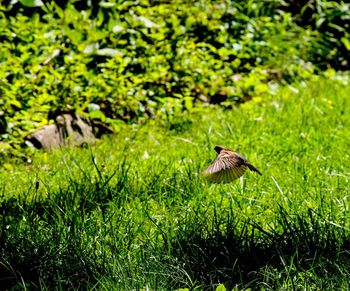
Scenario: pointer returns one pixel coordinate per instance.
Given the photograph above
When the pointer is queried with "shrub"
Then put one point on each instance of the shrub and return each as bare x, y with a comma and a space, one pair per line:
133, 60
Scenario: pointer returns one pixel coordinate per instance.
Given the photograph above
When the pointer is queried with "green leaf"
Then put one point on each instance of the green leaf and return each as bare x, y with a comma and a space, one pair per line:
220, 287
97, 114
346, 43
32, 3
104, 4
108, 52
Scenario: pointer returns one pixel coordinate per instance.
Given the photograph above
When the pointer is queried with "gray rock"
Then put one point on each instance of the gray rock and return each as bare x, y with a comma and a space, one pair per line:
68, 130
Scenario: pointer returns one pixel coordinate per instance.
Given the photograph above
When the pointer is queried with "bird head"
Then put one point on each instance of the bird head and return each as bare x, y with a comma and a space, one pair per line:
219, 148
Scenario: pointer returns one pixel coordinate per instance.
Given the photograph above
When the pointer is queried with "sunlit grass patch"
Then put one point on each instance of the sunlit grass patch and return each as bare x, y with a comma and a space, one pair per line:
133, 211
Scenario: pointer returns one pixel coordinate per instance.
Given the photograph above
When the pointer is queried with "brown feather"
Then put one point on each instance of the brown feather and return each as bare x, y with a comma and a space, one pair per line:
228, 166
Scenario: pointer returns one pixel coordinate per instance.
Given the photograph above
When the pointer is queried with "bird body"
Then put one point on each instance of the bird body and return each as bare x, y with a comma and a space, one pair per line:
228, 166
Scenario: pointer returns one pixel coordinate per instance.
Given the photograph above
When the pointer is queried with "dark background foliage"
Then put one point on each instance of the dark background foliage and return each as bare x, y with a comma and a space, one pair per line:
131, 60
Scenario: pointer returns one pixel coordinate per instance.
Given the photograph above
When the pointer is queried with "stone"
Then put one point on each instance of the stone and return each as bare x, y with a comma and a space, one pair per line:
69, 129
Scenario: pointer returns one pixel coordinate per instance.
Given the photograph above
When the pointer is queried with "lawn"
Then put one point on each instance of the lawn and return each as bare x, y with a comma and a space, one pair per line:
133, 211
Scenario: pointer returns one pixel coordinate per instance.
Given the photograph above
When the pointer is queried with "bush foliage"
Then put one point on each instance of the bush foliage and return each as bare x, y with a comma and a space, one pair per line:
130, 60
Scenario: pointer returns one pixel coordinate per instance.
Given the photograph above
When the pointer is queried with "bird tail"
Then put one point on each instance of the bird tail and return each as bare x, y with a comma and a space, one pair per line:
252, 168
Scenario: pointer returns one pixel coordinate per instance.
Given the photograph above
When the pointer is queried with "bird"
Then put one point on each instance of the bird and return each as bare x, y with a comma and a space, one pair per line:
228, 166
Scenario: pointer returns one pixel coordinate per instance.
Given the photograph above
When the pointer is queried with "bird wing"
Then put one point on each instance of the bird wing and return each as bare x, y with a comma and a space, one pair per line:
226, 168
252, 168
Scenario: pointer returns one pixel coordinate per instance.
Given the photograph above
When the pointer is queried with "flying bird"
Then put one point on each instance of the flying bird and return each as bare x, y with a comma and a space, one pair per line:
228, 166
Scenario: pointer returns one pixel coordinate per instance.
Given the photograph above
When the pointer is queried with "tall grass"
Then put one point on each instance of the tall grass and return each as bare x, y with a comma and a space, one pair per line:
133, 212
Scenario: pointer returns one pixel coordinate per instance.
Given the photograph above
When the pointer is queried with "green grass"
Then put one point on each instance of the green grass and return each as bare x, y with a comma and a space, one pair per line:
133, 212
